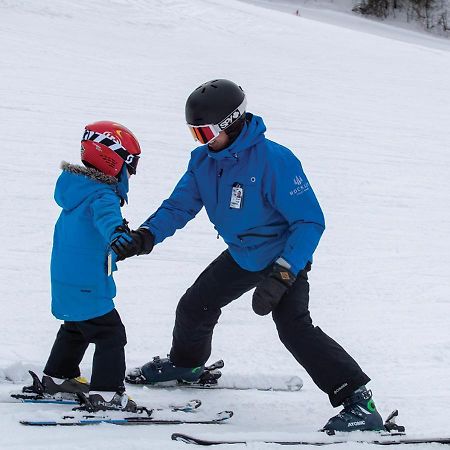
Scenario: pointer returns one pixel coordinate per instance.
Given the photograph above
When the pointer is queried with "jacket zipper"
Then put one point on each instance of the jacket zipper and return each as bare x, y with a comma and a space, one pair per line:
219, 176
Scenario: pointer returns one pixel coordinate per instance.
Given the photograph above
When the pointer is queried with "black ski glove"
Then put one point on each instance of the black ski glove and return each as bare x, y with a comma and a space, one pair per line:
138, 242
269, 292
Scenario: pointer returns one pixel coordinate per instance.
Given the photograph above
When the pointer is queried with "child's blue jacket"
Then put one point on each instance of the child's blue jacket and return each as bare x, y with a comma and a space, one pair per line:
81, 287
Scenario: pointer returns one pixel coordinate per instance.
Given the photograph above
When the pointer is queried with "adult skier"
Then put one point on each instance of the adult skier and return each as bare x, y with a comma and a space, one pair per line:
258, 198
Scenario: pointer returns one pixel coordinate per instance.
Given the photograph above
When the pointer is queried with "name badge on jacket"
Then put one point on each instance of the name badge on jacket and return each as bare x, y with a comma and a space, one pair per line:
237, 196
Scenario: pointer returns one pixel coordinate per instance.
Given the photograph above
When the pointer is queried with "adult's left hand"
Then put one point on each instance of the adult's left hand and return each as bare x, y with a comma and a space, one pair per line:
270, 291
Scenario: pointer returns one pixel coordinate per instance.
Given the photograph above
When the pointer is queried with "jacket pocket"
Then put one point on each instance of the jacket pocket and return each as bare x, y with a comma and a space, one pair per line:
241, 237
70, 300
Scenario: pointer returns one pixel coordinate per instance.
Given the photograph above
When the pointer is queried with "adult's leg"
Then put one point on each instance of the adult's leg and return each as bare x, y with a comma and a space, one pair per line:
67, 352
332, 369
108, 334
200, 307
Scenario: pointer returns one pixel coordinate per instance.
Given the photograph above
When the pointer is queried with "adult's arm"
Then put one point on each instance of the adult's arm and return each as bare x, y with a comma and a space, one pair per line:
289, 192
175, 212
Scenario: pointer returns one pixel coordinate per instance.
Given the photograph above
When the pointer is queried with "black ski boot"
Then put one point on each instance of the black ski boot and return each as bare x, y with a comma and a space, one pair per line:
160, 370
359, 414
54, 386
107, 401
51, 387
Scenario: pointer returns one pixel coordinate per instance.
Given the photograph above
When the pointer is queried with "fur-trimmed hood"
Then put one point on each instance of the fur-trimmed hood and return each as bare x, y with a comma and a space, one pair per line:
94, 174
76, 183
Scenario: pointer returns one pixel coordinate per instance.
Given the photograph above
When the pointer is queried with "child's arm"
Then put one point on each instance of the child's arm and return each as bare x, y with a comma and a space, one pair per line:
109, 222
107, 216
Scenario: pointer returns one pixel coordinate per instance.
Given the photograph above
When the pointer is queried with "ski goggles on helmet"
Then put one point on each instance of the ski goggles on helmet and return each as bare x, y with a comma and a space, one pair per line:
130, 160
207, 133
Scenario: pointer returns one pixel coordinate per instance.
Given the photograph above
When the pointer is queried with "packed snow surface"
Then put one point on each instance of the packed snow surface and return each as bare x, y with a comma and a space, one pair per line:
368, 115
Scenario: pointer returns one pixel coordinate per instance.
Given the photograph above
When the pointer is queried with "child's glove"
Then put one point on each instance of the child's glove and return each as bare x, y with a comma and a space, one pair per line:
121, 234
138, 242
269, 292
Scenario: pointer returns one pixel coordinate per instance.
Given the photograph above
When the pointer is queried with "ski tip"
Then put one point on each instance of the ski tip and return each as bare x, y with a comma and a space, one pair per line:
180, 437
223, 415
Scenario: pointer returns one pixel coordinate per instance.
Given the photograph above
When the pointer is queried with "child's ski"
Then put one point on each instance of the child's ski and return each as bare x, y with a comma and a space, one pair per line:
94, 419
189, 406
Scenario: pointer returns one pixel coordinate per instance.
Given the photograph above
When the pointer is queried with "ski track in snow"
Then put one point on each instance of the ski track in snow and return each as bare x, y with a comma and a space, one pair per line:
368, 116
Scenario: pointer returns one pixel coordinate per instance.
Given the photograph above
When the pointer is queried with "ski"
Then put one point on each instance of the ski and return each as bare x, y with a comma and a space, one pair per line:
212, 378
387, 439
240, 383
36, 394
189, 406
393, 434
43, 400
95, 419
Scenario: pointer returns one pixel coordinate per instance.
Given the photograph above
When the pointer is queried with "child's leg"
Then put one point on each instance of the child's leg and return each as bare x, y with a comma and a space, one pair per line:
67, 352
107, 332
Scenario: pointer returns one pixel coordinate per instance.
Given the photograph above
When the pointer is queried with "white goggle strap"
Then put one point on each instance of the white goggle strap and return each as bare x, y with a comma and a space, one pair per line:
235, 115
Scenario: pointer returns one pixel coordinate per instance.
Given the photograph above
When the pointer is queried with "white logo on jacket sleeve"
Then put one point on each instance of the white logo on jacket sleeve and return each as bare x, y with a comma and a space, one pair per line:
301, 186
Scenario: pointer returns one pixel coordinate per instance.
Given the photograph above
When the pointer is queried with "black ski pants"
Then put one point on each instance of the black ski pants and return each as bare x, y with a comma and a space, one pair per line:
107, 332
332, 369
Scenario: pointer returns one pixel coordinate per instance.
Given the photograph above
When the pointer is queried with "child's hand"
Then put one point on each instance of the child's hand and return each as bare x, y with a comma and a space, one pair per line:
139, 242
120, 244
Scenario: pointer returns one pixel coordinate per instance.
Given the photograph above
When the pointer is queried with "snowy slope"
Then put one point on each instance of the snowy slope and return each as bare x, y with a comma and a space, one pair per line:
367, 115
339, 12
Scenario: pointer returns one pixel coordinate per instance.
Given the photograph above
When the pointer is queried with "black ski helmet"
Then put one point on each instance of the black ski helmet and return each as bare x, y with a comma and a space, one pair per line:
216, 102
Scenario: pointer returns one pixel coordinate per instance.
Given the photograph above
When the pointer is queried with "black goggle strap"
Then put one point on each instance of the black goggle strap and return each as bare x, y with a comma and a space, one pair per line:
130, 160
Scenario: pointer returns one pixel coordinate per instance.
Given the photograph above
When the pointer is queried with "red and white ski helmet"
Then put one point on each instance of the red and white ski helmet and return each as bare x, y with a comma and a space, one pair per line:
107, 146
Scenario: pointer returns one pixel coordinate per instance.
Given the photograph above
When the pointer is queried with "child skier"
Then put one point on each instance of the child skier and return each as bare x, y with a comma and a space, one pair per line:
88, 230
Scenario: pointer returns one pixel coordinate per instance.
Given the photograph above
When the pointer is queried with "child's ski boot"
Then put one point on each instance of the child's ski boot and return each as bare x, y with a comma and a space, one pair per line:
51, 388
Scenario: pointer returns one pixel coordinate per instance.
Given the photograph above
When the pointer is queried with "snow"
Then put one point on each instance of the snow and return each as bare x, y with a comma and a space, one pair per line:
339, 12
366, 112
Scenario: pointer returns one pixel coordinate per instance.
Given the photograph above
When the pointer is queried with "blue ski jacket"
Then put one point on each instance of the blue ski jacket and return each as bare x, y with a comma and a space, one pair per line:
257, 196
90, 202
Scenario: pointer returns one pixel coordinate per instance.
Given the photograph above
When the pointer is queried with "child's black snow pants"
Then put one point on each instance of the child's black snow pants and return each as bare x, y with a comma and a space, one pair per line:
107, 332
